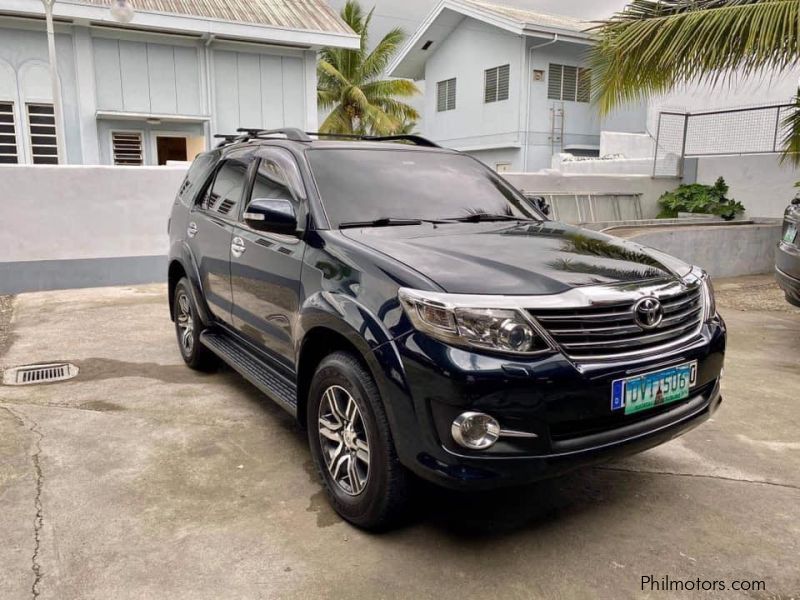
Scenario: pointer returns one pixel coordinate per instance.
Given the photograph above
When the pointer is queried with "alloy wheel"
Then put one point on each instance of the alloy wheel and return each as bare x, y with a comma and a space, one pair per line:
185, 324
343, 440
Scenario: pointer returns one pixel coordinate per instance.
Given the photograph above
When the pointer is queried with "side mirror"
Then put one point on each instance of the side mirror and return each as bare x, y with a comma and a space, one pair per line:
275, 215
540, 203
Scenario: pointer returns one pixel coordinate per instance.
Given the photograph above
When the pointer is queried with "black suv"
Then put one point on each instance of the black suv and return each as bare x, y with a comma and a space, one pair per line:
787, 260
419, 315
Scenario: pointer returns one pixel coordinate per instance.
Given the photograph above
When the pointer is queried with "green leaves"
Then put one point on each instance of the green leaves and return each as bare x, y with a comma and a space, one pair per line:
348, 83
656, 45
702, 199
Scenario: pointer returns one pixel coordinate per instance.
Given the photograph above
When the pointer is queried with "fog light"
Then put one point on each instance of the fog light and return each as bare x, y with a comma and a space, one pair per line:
475, 430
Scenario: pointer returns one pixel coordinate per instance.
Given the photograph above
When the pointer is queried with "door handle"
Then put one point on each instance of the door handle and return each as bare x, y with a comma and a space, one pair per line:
191, 231
238, 247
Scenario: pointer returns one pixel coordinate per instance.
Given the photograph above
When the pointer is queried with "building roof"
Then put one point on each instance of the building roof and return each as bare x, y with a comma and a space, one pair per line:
309, 24
309, 15
532, 19
448, 14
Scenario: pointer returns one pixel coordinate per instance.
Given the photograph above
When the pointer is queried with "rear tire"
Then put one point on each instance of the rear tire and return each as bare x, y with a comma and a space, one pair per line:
188, 328
351, 444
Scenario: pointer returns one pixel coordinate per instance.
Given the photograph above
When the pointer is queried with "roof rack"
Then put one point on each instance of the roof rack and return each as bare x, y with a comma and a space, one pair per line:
400, 137
291, 133
228, 138
244, 134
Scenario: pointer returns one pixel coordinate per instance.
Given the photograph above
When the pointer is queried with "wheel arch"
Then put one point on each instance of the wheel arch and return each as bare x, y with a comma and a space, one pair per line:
183, 264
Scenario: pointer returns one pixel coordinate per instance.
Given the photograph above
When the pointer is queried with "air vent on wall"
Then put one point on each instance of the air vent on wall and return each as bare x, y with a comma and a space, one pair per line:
127, 148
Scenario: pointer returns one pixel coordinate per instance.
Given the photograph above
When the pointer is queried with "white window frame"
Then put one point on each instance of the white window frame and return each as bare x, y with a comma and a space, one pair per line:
111, 133
447, 83
497, 97
154, 142
29, 134
17, 137
578, 96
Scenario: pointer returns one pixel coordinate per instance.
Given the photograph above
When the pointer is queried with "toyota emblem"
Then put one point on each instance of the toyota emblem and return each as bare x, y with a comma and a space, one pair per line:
648, 313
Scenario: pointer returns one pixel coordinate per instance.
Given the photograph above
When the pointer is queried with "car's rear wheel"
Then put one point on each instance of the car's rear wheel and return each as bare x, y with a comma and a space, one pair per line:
188, 328
352, 446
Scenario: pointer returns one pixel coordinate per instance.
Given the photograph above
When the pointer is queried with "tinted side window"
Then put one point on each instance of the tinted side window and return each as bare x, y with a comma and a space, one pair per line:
271, 182
226, 192
198, 173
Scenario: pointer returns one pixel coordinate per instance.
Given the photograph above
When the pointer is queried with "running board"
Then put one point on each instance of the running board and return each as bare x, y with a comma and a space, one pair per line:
265, 378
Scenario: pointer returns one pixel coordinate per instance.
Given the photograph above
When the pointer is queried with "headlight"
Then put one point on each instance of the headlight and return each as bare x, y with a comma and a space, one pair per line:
499, 329
709, 301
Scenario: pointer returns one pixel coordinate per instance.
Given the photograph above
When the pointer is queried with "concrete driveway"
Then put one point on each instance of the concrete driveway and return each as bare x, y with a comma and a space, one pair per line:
143, 479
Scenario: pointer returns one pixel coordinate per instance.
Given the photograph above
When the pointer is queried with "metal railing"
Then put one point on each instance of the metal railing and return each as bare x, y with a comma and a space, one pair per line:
749, 130
591, 207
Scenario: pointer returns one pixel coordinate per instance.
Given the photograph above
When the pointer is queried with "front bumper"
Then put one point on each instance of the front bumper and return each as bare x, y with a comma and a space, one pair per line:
567, 405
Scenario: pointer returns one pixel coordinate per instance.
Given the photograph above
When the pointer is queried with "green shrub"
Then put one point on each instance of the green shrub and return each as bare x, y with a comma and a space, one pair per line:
698, 198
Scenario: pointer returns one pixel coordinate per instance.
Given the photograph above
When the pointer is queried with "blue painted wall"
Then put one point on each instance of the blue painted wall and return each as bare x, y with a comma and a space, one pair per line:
231, 85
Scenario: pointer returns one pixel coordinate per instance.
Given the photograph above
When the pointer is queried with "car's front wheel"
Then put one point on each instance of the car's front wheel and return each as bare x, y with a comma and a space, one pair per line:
352, 446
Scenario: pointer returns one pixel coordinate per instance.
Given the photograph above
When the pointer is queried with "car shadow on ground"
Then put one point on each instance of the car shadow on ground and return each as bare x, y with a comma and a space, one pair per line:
466, 514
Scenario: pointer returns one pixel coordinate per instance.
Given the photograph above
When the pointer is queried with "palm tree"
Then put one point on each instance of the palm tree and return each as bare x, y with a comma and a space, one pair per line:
350, 84
656, 45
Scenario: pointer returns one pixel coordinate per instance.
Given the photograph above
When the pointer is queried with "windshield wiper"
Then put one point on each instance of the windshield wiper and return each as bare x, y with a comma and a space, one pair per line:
384, 222
487, 217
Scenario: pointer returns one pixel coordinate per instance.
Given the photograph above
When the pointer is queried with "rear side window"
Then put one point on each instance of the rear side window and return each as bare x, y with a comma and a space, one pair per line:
225, 194
201, 168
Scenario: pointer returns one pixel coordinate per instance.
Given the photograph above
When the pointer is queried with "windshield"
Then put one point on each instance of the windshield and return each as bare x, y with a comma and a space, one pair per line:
363, 185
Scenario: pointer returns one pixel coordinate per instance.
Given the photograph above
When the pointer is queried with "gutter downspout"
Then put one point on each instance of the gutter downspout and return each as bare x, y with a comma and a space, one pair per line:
209, 90
528, 100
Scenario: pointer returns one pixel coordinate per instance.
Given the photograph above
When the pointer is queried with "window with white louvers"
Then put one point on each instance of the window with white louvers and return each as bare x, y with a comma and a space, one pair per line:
495, 83
446, 95
573, 84
8, 134
42, 134
126, 147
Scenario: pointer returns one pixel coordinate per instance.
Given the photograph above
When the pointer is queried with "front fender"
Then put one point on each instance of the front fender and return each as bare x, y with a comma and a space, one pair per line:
367, 333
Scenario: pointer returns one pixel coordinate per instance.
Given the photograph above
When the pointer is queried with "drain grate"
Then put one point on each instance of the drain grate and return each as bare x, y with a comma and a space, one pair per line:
32, 374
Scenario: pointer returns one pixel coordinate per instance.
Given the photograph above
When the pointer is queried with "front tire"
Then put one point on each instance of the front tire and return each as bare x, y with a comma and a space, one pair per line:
352, 446
188, 328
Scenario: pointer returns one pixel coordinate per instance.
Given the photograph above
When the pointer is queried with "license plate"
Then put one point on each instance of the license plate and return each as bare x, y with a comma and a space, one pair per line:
791, 233
635, 394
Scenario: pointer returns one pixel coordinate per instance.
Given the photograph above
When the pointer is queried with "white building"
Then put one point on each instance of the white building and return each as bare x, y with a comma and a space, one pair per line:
159, 87
510, 86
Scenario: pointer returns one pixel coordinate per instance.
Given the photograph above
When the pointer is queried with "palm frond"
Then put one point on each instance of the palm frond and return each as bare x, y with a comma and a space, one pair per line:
391, 87
655, 45
337, 122
397, 110
791, 139
375, 63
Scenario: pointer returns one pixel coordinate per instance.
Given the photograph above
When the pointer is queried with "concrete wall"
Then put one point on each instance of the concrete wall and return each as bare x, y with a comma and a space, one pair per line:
651, 189
84, 226
723, 251
758, 181
629, 145
603, 166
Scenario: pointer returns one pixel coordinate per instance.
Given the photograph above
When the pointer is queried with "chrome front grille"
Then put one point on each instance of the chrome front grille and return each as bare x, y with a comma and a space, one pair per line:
610, 330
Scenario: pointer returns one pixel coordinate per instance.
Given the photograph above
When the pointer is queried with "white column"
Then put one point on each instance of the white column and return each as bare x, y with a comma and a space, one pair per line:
57, 111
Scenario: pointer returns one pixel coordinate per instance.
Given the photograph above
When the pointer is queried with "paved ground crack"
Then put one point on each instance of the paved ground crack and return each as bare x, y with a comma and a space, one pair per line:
700, 476
38, 519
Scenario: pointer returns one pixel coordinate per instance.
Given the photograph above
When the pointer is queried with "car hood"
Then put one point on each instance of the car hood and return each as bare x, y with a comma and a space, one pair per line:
518, 258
